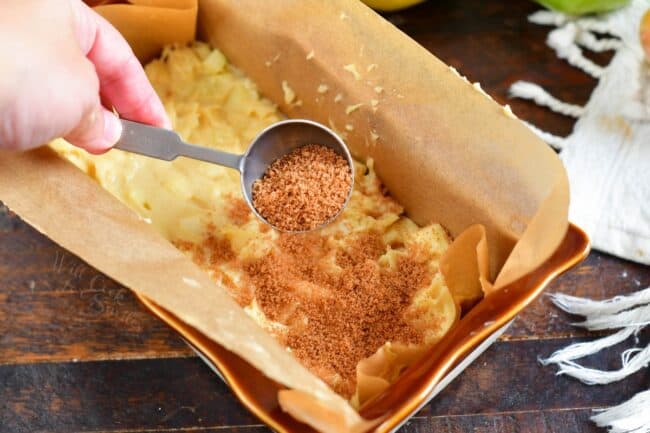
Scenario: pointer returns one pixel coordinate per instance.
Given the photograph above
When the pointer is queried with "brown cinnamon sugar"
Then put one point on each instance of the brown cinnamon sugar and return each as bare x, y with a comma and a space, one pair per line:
238, 211
212, 250
198, 253
210, 253
303, 189
219, 248
335, 315
337, 301
337, 318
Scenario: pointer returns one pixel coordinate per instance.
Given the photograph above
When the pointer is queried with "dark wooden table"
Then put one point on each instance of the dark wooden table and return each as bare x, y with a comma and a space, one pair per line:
79, 354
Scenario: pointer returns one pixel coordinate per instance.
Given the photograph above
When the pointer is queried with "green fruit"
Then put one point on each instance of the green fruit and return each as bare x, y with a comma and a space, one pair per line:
391, 5
579, 7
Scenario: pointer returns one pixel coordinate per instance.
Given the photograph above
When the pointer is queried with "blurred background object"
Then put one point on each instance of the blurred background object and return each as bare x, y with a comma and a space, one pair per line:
644, 33
571, 7
391, 5
580, 7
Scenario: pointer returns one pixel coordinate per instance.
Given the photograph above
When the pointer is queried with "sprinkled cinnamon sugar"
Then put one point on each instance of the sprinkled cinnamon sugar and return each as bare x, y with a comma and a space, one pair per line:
303, 189
332, 297
238, 211
198, 254
337, 318
209, 254
219, 248
335, 315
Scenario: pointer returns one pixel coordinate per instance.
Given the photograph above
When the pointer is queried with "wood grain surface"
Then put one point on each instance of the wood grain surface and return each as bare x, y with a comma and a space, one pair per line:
79, 354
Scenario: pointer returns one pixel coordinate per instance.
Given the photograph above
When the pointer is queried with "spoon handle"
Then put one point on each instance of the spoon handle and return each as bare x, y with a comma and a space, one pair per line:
167, 145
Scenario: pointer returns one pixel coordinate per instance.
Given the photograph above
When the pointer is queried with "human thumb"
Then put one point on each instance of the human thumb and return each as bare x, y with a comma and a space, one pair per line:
97, 132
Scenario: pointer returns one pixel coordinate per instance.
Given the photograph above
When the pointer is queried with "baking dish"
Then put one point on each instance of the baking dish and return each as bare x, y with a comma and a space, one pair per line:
420, 383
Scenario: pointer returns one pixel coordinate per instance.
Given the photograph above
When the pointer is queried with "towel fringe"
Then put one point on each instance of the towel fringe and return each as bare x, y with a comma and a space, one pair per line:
633, 416
588, 40
631, 313
563, 41
580, 350
548, 18
589, 307
555, 141
632, 360
639, 316
531, 91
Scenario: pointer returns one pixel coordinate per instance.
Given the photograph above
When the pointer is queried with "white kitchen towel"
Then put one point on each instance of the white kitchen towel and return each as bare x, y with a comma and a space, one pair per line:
607, 156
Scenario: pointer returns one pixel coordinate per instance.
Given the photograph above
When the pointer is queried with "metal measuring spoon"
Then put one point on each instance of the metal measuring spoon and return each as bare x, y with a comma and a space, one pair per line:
272, 143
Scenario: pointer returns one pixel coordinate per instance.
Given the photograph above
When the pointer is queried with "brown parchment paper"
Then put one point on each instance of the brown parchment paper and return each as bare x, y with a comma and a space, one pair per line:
148, 25
446, 151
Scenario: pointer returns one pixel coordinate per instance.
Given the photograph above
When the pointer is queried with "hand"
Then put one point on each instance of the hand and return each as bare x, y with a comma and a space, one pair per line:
60, 60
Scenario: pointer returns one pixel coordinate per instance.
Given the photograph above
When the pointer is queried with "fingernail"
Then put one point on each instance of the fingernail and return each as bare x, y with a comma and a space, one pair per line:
112, 129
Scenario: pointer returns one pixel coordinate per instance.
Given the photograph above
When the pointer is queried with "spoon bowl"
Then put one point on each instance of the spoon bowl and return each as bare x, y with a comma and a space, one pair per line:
280, 139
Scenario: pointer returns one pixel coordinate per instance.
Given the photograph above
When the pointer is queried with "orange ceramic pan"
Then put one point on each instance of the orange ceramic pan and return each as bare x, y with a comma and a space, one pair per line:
422, 381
